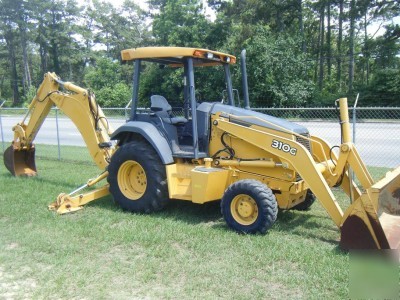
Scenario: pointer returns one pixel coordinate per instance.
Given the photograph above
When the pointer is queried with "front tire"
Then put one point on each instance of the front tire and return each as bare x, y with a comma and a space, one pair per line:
249, 206
137, 178
306, 204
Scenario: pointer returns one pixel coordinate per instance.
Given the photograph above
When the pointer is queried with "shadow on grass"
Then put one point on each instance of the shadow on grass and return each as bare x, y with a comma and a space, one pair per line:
302, 224
183, 211
305, 225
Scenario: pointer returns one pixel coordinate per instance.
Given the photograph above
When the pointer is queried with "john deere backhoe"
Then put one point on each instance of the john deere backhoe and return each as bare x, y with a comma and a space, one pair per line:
253, 162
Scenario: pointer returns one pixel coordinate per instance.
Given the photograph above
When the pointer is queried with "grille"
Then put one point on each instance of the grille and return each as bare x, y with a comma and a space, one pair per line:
306, 143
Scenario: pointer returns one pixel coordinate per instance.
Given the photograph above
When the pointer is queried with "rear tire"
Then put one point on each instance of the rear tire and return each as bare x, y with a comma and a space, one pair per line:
137, 178
249, 206
306, 204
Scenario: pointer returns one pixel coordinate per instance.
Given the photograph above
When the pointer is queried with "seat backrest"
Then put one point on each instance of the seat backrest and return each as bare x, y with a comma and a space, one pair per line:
159, 103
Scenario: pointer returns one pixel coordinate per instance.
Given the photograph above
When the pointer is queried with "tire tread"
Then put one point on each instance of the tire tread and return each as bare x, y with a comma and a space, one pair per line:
265, 199
156, 194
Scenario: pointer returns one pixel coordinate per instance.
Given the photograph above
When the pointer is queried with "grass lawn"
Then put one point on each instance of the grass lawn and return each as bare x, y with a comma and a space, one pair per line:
184, 252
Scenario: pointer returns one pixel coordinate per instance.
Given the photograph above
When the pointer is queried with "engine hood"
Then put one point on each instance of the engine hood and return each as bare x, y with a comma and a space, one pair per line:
247, 117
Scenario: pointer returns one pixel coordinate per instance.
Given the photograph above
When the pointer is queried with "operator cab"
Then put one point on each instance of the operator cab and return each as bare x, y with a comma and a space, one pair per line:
185, 130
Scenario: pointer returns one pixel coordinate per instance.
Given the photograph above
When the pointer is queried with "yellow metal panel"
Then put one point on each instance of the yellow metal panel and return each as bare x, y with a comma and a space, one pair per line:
196, 183
287, 193
208, 184
274, 171
164, 52
246, 150
179, 181
302, 161
344, 118
359, 168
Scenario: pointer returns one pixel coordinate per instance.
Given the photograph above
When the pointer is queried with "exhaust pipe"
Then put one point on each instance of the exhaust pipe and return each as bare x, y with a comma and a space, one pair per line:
245, 85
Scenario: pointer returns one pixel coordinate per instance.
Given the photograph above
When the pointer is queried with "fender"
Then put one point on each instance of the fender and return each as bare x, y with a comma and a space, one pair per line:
151, 134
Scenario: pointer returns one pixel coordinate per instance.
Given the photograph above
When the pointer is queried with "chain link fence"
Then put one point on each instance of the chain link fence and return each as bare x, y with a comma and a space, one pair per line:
376, 132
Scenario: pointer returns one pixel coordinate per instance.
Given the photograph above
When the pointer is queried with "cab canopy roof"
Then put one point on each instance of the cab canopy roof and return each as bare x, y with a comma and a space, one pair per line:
175, 56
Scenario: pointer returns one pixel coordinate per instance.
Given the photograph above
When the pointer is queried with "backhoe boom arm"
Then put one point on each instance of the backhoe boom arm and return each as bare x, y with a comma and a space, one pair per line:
79, 105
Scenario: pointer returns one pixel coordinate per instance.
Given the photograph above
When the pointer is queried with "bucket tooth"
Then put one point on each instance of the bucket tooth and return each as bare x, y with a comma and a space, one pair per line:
20, 162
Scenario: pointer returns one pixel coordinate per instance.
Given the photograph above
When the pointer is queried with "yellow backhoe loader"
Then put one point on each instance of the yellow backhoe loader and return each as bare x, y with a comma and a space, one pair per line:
252, 162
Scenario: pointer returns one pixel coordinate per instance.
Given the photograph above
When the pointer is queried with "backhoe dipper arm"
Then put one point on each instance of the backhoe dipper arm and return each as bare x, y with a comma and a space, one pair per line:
79, 105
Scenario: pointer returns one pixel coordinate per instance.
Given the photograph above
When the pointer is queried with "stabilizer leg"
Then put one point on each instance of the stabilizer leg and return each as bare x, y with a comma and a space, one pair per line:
67, 203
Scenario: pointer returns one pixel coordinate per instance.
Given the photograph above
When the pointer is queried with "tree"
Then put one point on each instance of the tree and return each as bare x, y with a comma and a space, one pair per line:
384, 89
329, 39
22, 15
301, 25
278, 70
105, 80
118, 29
38, 36
55, 21
180, 23
386, 49
321, 40
8, 27
339, 44
353, 16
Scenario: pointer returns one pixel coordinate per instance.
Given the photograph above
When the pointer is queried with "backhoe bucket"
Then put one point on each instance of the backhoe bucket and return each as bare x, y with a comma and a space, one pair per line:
373, 220
20, 162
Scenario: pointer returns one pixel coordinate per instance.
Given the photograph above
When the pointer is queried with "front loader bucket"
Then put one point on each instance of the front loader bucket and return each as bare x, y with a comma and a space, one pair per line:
373, 220
20, 162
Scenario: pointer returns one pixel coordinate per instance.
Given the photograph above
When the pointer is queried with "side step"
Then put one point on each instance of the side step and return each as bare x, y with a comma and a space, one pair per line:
186, 151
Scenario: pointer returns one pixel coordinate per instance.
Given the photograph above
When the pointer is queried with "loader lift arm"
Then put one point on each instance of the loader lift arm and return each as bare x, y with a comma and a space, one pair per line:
367, 223
81, 108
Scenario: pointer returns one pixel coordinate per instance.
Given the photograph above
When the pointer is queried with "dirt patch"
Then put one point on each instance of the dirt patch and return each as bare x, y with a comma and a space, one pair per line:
281, 292
124, 254
12, 287
181, 249
12, 246
4, 219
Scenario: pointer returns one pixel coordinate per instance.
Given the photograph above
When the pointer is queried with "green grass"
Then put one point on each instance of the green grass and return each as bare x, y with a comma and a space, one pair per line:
67, 153
186, 251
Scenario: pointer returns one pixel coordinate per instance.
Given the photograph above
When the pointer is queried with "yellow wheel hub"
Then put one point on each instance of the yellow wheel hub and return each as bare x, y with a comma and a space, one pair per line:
244, 209
132, 180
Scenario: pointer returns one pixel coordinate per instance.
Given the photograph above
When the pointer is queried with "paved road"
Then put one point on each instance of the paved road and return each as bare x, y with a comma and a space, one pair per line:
378, 143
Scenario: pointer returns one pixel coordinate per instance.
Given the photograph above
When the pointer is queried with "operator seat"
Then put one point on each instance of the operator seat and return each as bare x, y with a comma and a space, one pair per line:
161, 107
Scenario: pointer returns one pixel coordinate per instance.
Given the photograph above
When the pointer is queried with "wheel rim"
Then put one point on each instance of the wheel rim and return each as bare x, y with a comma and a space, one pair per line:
244, 209
132, 180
